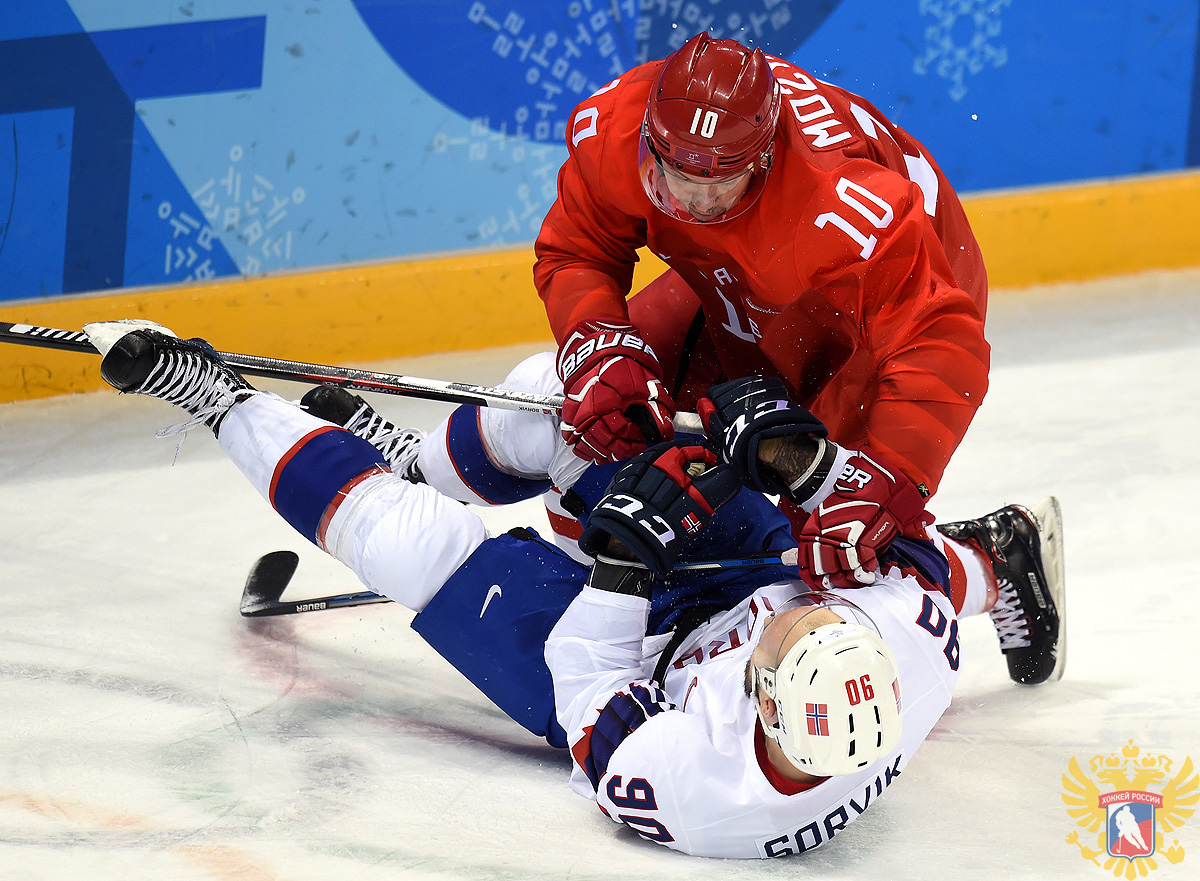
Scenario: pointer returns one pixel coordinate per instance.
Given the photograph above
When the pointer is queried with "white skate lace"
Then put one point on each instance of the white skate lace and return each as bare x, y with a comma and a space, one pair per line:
398, 445
1012, 624
188, 380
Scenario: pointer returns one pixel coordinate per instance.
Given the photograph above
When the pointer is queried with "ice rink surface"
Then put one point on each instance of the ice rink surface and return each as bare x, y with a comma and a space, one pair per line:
150, 732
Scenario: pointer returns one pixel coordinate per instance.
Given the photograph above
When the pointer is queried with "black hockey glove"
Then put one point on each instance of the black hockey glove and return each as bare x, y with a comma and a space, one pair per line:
740, 413
658, 500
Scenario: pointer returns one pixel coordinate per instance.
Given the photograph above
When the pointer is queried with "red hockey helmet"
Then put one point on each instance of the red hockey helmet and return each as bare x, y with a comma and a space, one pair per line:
711, 119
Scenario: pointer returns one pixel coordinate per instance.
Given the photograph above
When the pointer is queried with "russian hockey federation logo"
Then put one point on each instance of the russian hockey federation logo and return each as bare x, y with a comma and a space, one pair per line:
1125, 799
1130, 822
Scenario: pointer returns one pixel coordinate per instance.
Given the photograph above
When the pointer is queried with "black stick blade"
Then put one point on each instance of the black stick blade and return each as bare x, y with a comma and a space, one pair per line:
269, 577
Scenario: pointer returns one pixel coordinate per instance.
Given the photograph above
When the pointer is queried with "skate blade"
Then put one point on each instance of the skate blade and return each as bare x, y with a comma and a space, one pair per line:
104, 334
1048, 513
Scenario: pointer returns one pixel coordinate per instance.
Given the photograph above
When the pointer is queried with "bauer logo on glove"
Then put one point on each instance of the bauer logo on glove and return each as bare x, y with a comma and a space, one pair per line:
615, 403
596, 337
849, 475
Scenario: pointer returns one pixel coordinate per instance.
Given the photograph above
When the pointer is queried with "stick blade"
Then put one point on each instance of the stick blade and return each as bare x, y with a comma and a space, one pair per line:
269, 577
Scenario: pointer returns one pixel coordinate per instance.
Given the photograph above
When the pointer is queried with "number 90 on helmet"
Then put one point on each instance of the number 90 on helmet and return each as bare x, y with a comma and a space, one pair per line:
837, 695
710, 122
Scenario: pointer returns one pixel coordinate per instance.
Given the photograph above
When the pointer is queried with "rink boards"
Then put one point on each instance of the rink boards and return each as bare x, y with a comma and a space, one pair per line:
471, 300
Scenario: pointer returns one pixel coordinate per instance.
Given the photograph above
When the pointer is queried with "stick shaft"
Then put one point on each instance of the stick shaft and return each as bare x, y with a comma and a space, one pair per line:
317, 604
347, 377
790, 557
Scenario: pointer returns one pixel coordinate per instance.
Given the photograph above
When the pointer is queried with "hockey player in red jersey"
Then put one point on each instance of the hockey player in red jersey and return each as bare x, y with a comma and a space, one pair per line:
808, 239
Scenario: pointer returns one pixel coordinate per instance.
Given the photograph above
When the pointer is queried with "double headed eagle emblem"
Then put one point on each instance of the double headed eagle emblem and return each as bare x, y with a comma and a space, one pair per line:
1130, 800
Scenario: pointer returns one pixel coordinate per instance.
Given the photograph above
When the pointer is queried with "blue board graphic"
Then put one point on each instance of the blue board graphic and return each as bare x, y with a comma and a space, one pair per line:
144, 144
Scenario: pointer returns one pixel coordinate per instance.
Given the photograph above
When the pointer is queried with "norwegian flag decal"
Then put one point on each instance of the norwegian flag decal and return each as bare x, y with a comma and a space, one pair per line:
691, 523
818, 719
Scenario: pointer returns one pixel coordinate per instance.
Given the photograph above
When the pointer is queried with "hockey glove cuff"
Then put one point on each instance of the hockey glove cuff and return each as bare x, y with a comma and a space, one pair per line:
739, 414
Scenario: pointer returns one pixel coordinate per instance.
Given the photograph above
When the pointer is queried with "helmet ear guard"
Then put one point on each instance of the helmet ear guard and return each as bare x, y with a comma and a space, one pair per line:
837, 699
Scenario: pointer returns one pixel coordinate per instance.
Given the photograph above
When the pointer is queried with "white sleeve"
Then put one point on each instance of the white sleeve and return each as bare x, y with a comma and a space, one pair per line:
593, 652
516, 442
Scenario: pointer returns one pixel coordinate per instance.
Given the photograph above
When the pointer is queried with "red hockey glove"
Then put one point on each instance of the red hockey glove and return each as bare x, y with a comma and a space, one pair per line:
616, 404
871, 503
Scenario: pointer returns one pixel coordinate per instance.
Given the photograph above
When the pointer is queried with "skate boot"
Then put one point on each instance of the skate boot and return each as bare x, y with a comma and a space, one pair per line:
1024, 549
398, 445
186, 373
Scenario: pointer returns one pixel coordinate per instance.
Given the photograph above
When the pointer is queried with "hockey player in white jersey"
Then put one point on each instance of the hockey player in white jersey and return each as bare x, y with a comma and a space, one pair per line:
726, 715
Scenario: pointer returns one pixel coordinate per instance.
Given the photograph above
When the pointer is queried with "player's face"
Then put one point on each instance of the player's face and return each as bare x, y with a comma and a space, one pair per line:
706, 199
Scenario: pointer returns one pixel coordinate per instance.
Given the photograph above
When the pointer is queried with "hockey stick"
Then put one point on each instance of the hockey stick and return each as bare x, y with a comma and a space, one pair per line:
269, 577
347, 377
270, 574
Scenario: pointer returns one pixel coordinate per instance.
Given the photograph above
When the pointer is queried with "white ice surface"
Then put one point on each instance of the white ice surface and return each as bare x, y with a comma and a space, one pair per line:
148, 731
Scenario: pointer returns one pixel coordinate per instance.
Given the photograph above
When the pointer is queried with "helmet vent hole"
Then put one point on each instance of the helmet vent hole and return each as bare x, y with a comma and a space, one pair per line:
879, 740
850, 752
878, 720
850, 719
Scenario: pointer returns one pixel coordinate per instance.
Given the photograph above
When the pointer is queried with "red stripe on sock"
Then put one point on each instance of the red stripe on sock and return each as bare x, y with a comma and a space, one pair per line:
567, 527
330, 511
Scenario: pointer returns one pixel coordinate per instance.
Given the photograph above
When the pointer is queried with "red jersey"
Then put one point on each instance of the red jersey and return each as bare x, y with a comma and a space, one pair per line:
854, 278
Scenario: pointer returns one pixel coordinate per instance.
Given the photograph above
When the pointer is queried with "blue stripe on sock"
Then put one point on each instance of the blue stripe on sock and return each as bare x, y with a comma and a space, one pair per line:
476, 470
313, 474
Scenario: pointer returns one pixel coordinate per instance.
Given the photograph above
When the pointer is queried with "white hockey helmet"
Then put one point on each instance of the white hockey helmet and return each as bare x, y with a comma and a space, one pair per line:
837, 694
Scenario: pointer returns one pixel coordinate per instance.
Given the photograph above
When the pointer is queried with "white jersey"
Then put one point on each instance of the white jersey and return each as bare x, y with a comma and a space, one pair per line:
692, 773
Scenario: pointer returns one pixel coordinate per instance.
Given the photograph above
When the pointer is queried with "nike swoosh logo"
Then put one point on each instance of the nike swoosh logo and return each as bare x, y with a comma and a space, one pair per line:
493, 592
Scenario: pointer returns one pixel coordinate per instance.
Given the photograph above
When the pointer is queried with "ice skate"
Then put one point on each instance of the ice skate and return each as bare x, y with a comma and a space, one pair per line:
187, 373
1024, 548
398, 445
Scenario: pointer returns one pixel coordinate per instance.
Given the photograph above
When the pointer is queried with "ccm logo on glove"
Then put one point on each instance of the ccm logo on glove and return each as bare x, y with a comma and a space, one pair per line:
657, 500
